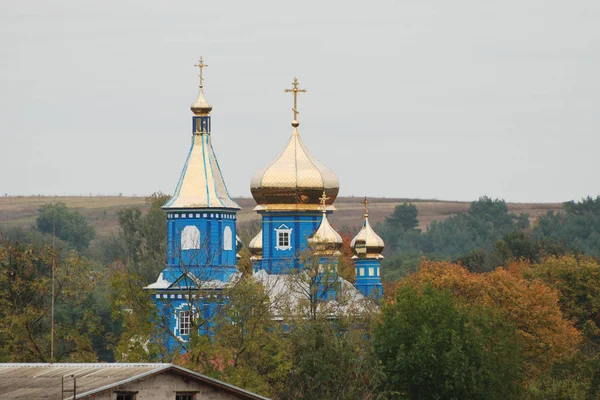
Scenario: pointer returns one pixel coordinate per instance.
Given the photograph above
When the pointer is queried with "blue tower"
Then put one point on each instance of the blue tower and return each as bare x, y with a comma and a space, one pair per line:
367, 247
287, 193
201, 236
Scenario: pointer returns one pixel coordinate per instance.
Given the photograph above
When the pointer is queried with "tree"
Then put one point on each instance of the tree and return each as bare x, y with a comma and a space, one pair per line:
142, 241
577, 229
433, 348
331, 360
532, 306
25, 306
404, 215
68, 225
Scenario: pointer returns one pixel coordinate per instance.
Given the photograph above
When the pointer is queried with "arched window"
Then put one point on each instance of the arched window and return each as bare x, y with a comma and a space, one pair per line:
227, 239
190, 238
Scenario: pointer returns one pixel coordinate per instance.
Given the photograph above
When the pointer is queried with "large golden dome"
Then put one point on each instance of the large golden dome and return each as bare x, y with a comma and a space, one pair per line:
294, 180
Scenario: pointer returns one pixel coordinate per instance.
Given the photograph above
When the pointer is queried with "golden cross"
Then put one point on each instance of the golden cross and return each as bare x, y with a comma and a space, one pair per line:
295, 90
366, 203
201, 65
324, 199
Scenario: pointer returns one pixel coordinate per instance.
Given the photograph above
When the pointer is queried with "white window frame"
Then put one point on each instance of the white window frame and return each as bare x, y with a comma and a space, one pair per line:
185, 317
280, 235
190, 238
227, 238
371, 271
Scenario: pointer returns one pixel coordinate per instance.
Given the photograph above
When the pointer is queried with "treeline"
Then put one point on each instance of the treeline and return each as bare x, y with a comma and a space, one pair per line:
488, 235
484, 306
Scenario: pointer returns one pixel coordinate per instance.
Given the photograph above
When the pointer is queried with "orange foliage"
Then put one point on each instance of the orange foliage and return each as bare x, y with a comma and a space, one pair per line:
530, 304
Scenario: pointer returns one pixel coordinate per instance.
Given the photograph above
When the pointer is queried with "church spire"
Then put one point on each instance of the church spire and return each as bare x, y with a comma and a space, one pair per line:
201, 184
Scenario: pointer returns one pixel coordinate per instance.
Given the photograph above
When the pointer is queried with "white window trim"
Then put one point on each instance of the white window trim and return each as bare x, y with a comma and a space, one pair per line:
227, 238
280, 230
190, 238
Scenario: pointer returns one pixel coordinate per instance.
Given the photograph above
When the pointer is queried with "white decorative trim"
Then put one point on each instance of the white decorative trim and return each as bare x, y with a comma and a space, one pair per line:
283, 234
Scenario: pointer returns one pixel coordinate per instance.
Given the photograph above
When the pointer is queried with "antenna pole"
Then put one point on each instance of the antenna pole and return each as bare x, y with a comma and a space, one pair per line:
53, 270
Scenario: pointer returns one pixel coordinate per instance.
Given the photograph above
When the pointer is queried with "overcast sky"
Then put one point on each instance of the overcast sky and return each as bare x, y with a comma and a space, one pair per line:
422, 99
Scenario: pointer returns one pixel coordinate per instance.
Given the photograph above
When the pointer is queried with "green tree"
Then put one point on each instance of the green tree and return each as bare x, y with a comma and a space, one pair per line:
66, 224
577, 228
142, 240
431, 348
404, 215
25, 306
331, 360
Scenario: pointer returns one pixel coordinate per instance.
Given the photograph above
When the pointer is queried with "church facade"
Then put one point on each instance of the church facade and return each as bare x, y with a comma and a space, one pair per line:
294, 194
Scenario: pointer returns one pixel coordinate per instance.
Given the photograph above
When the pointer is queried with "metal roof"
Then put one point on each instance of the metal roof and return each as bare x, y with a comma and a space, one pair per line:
43, 381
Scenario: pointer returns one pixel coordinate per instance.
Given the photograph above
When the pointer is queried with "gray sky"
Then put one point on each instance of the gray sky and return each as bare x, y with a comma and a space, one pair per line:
423, 98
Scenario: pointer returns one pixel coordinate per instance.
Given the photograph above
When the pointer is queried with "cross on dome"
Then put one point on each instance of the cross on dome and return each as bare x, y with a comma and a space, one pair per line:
295, 91
366, 204
201, 66
323, 200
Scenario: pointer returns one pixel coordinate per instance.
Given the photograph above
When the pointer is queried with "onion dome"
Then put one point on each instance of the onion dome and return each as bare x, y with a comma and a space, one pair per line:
256, 245
201, 107
367, 244
295, 180
325, 239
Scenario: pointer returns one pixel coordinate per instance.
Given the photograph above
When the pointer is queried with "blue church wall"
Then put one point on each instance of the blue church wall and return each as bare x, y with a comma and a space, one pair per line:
202, 242
172, 303
277, 259
368, 276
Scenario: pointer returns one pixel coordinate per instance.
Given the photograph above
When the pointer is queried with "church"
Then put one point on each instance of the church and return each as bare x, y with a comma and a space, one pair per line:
294, 194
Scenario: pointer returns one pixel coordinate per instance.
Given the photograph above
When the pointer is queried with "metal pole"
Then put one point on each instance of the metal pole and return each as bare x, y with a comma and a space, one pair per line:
74, 387
53, 268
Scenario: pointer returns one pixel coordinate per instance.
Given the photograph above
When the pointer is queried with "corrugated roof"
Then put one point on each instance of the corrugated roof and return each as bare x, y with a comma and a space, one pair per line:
43, 381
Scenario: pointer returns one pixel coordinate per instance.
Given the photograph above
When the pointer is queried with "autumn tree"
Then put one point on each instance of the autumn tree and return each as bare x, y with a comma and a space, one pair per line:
531, 305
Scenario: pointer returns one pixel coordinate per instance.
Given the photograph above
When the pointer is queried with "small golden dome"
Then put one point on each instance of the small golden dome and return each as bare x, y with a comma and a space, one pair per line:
294, 180
367, 244
201, 107
256, 245
325, 239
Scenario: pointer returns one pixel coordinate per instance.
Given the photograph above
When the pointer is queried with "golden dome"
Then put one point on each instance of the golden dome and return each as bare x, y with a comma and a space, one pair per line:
294, 180
256, 245
367, 244
325, 239
201, 107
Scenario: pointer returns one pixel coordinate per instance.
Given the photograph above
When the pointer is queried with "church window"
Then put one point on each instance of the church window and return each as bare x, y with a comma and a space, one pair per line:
371, 271
190, 238
125, 396
227, 239
283, 234
185, 322
361, 271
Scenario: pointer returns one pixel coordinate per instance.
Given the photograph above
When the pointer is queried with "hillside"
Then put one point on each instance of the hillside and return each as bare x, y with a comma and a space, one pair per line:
102, 211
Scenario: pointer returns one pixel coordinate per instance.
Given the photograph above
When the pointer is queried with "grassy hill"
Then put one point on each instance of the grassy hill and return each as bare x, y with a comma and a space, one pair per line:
102, 211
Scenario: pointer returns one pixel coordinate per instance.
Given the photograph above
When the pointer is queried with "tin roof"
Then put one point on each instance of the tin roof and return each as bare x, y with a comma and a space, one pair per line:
43, 381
